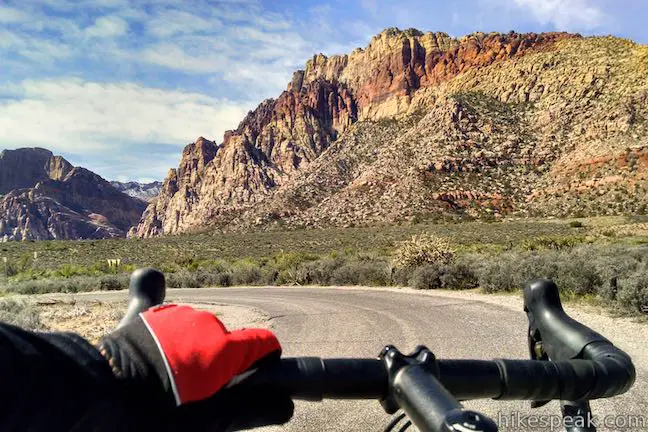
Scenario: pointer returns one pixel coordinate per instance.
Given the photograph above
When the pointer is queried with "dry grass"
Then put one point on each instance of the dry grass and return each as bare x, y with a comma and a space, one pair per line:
89, 319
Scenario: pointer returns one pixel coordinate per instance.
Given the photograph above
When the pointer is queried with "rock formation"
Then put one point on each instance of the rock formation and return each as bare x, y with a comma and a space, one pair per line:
25, 167
418, 125
51, 199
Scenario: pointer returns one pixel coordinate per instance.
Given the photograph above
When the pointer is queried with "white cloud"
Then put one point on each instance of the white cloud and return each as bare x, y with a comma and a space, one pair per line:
76, 116
566, 15
169, 23
10, 15
10, 39
107, 27
38, 50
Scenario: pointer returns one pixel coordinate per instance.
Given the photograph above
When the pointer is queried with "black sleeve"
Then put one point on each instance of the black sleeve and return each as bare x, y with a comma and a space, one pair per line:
60, 382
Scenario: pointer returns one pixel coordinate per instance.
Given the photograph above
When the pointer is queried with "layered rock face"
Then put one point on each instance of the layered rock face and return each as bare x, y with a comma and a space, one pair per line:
23, 168
277, 140
72, 203
421, 124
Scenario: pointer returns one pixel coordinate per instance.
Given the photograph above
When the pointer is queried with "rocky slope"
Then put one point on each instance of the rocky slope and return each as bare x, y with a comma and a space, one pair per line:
142, 191
418, 125
51, 199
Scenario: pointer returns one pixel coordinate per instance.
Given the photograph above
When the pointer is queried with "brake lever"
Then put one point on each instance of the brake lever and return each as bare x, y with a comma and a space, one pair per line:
147, 288
536, 349
579, 412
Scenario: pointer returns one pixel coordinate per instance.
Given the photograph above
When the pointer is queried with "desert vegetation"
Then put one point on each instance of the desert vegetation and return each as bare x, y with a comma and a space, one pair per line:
602, 260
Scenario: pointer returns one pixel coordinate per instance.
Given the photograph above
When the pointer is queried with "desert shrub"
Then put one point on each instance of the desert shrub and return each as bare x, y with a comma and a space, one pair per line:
290, 260
427, 276
248, 274
184, 279
15, 267
423, 249
577, 272
460, 274
633, 291
114, 282
216, 266
372, 273
70, 270
21, 314
198, 279
318, 272
574, 271
615, 263
551, 242
500, 274
402, 276
68, 285
224, 279
187, 261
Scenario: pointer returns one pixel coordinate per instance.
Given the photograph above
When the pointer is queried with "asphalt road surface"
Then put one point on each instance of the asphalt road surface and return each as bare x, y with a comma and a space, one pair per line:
329, 322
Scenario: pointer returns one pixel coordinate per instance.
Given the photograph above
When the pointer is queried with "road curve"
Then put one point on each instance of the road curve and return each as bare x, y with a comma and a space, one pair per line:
331, 322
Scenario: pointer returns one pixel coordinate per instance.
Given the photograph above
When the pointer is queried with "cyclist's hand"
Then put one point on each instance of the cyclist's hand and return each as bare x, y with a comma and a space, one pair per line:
188, 356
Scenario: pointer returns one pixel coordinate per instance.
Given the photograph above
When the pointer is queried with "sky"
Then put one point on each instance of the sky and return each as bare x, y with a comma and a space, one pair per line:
121, 86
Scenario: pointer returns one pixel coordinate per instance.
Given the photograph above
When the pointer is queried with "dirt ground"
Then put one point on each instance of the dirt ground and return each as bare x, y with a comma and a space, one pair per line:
93, 319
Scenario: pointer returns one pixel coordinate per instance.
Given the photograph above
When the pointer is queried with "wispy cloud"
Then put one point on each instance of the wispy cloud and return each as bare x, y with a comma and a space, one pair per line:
171, 22
107, 27
73, 115
12, 15
564, 14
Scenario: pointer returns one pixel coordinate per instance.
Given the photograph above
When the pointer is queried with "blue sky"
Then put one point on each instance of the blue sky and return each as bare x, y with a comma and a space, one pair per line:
121, 86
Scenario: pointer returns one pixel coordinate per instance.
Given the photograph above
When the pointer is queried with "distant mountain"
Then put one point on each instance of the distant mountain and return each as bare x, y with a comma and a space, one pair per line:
45, 197
23, 168
143, 191
418, 125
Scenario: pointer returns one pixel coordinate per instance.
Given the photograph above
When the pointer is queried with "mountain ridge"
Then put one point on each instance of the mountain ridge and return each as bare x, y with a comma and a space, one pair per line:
279, 139
418, 125
48, 198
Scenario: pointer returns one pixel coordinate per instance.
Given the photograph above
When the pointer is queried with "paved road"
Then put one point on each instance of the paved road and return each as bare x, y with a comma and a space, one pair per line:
347, 323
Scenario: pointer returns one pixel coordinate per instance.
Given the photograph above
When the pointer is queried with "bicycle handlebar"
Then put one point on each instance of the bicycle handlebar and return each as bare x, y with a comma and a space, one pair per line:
313, 378
584, 365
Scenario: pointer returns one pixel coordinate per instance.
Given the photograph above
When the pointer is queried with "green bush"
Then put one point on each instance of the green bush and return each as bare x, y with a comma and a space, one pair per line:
290, 260
548, 242
69, 270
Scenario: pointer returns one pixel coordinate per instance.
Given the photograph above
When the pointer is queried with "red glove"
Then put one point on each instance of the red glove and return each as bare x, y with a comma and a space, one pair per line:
200, 355
188, 356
